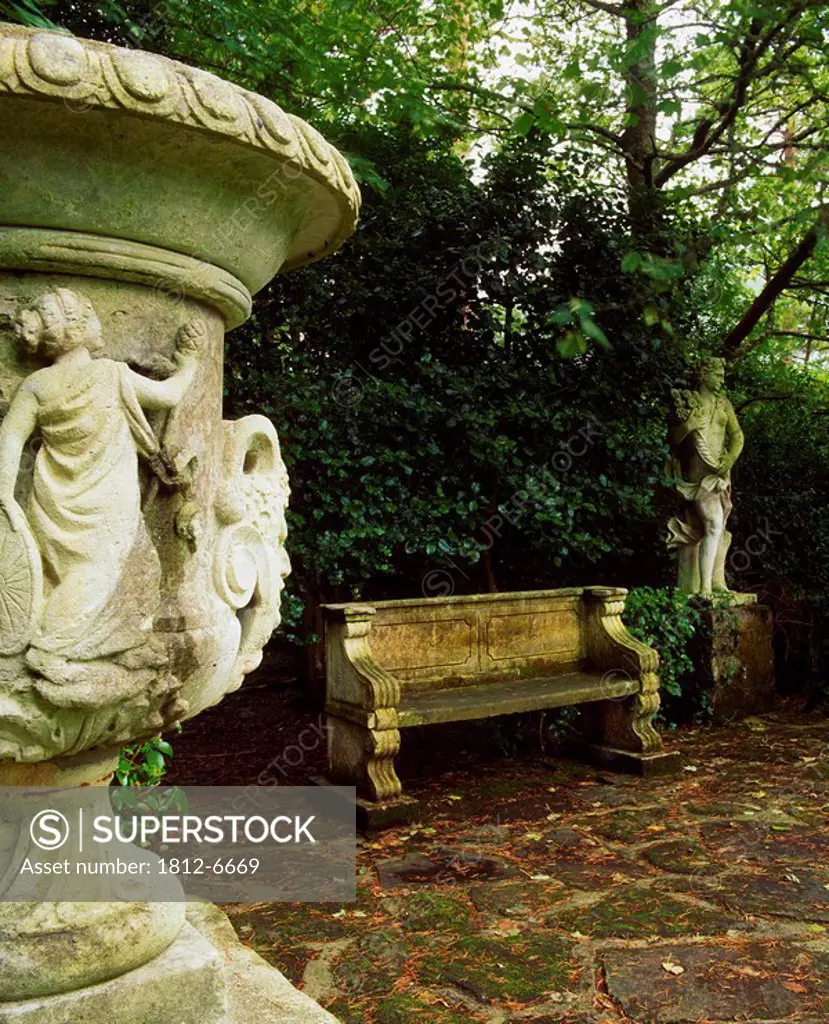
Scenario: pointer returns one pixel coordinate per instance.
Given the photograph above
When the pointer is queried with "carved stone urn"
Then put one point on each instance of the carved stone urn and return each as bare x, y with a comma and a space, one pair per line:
142, 203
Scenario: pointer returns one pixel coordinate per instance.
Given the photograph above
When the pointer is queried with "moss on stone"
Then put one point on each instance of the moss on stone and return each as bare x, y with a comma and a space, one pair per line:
637, 825
432, 911
347, 1012
519, 969
637, 913
405, 1008
516, 899
682, 856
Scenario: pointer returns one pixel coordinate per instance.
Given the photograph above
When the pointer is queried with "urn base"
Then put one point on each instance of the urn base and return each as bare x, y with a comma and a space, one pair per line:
184, 985
205, 977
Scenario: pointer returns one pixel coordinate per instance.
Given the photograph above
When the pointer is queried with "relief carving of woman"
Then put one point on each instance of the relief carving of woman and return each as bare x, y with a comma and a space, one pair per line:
101, 573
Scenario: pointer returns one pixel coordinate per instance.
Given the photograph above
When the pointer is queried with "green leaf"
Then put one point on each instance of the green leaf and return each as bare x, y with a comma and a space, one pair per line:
572, 344
651, 315
563, 315
523, 123
632, 261
592, 330
155, 760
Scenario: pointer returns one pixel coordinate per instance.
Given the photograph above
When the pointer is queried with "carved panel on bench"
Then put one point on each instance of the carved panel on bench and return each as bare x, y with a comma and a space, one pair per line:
408, 648
544, 635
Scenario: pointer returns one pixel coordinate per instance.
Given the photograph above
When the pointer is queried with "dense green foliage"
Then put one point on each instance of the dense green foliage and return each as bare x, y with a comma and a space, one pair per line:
469, 453
565, 207
668, 621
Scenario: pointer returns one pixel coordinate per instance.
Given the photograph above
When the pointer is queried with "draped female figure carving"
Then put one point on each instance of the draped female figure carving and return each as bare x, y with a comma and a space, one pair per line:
101, 573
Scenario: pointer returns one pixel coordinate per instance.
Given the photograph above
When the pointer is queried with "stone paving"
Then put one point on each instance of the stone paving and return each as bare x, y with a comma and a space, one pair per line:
542, 891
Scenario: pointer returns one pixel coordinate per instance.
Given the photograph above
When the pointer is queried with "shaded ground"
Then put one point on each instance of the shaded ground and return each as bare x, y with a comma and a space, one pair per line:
542, 891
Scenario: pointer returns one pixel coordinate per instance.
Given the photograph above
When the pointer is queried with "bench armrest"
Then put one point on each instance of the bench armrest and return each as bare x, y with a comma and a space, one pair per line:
353, 676
610, 647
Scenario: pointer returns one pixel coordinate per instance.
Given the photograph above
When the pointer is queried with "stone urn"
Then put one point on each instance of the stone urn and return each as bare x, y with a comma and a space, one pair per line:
142, 537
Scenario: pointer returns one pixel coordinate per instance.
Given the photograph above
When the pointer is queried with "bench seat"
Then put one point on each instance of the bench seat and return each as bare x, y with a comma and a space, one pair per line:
398, 664
508, 697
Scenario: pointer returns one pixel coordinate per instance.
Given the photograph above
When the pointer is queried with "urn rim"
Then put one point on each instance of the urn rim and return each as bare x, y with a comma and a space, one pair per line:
84, 75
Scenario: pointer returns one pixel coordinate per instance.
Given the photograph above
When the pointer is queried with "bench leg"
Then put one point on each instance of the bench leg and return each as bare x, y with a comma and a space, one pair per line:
620, 734
364, 758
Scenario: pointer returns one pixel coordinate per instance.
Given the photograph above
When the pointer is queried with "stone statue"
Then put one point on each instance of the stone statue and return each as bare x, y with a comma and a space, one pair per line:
707, 441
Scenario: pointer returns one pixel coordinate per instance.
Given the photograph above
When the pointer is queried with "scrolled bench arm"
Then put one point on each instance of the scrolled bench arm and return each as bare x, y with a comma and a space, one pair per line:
354, 676
610, 645
611, 648
361, 704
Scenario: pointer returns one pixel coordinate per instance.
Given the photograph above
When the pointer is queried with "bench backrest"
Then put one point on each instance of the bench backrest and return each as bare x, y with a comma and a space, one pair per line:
459, 641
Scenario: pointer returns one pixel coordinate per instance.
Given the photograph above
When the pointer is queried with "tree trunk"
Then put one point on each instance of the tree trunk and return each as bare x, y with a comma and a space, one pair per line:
639, 136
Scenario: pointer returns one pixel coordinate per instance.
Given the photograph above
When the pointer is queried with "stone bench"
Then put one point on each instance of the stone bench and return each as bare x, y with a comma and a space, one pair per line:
396, 664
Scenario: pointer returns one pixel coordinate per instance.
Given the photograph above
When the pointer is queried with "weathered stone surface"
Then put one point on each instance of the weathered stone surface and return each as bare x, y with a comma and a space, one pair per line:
795, 892
487, 835
184, 985
52, 946
734, 660
434, 911
741, 981
592, 874
526, 900
633, 912
403, 1009
91, 574
611, 796
761, 842
256, 993
512, 969
538, 1015
208, 146
635, 825
142, 539
144, 564
707, 441
372, 966
566, 838
681, 856
411, 663
561, 884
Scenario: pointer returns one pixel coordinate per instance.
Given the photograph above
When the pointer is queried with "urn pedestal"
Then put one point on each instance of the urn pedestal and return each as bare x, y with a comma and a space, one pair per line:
142, 537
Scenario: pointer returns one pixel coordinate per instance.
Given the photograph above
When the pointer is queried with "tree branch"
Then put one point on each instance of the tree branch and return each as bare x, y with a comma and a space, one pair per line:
763, 398
480, 92
600, 5
798, 256
752, 48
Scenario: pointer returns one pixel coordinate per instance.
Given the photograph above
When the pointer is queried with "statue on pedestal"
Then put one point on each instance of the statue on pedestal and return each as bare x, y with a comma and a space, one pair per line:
707, 441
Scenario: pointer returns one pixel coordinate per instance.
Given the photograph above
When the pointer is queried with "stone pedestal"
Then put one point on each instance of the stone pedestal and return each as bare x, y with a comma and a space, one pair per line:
142, 537
734, 659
